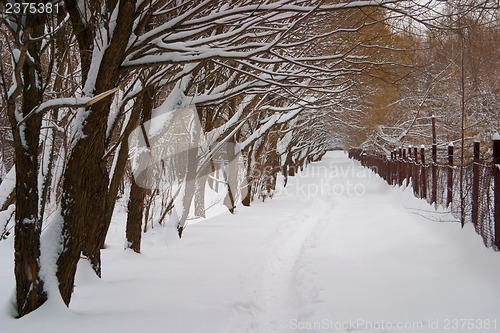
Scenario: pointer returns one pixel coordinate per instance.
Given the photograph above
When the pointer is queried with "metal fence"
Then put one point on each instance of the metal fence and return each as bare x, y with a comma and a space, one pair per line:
471, 191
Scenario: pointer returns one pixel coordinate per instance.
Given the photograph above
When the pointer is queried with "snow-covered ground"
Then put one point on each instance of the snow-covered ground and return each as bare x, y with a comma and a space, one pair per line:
337, 250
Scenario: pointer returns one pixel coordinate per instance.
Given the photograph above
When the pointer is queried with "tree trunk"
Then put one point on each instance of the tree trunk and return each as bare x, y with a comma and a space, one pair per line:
134, 217
271, 163
121, 162
248, 194
83, 202
231, 176
289, 163
29, 287
47, 175
199, 196
137, 194
190, 182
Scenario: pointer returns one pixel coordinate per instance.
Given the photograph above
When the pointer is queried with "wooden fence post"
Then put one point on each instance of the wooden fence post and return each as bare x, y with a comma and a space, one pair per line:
409, 169
434, 174
400, 167
434, 136
449, 196
389, 169
395, 168
434, 162
404, 167
416, 171
496, 176
475, 183
423, 172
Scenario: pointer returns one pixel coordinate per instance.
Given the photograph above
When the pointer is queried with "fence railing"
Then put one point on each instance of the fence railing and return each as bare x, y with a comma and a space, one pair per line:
471, 191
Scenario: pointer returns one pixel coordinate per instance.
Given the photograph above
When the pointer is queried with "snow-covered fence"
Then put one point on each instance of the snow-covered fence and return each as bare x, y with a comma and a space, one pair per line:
470, 191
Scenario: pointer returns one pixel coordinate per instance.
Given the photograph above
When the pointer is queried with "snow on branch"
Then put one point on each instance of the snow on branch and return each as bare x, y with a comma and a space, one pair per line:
68, 102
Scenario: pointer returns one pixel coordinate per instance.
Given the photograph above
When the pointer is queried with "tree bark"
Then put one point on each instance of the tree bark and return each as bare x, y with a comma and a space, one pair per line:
248, 194
83, 201
29, 287
271, 163
190, 179
199, 197
121, 162
135, 209
231, 176
134, 217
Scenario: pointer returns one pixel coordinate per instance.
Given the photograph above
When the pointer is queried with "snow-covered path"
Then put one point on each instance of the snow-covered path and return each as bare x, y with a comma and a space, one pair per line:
337, 250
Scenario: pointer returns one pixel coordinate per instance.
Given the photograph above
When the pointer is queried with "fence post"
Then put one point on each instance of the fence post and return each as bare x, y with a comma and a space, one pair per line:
475, 183
496, 176
434, 174
380, 168
389, 169
423, 172
434, 136
404, 166
434, 161
389, 181
409, 169
400, 166
394, 167
416, 176
449, 196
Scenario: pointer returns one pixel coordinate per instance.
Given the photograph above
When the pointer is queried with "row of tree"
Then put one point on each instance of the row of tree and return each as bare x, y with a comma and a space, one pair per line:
277, 81
455, 78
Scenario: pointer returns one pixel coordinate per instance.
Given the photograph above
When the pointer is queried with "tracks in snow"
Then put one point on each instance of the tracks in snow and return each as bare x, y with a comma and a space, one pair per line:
282, 292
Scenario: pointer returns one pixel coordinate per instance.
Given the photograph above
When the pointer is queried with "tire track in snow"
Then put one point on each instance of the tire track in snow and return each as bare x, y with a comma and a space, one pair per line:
306, 273
279, 298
